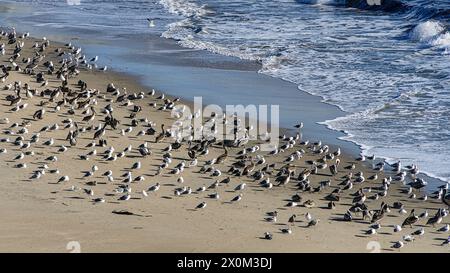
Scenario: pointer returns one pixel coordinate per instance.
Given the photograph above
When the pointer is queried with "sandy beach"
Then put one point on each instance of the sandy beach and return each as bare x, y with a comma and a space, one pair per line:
44, 215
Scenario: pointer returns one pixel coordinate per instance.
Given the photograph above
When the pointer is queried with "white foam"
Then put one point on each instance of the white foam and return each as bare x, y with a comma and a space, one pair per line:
426, 31
385, 100
184, 7
442, 41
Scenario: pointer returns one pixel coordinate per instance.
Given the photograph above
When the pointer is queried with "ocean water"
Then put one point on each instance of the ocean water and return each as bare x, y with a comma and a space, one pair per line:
386, 66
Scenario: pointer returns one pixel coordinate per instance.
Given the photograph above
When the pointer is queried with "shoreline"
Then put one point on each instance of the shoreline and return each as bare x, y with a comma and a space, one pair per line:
225, 68
166, 55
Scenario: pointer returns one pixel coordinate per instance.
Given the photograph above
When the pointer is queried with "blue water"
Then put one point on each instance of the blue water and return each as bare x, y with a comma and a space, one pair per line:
386, 66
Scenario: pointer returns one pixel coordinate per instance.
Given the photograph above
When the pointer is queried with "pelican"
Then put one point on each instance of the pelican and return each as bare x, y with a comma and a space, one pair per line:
411, 219
436, 219
161, 136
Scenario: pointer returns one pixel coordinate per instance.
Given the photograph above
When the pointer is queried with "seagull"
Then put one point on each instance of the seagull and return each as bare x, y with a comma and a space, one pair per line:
63, 179
299, 126
268, 236
151, 22
237, 198
19, 156
445, 228
21, 166
154, 188
136, 165
240, 187
398, 244
408, 238
202, 205
371, 231
99, 200
313, 222
286, 230
308, 216
446, 242
419, 232
125, 197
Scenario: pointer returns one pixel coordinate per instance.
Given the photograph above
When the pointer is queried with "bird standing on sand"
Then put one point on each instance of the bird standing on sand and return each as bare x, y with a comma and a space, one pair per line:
237, 198
436, 219
161, 136
154, 188
202, 205
313, 223
411, 219
446, 197
292, 219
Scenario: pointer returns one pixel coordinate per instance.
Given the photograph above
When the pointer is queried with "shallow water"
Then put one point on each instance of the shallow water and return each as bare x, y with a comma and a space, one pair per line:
385, 66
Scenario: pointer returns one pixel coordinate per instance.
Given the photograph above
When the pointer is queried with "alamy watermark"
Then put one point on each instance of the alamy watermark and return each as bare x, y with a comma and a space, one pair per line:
73, 2
374, 2
236, 124
73, 247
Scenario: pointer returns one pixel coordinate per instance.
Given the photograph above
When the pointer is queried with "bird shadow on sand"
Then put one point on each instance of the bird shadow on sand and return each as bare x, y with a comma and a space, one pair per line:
75, 197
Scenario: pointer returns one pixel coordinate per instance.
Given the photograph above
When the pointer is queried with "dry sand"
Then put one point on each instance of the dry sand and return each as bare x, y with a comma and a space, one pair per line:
44, 216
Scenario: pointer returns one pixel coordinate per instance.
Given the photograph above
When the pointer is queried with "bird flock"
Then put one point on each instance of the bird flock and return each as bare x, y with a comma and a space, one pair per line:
313, 175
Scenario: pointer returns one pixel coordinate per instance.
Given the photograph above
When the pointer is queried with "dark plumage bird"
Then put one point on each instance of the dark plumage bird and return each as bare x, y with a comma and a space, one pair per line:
436, 219
292, 219
378, 215
100, 132
332, 197
39, 114
446, 197
201, 205
418, 183
161, 136
411, 219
